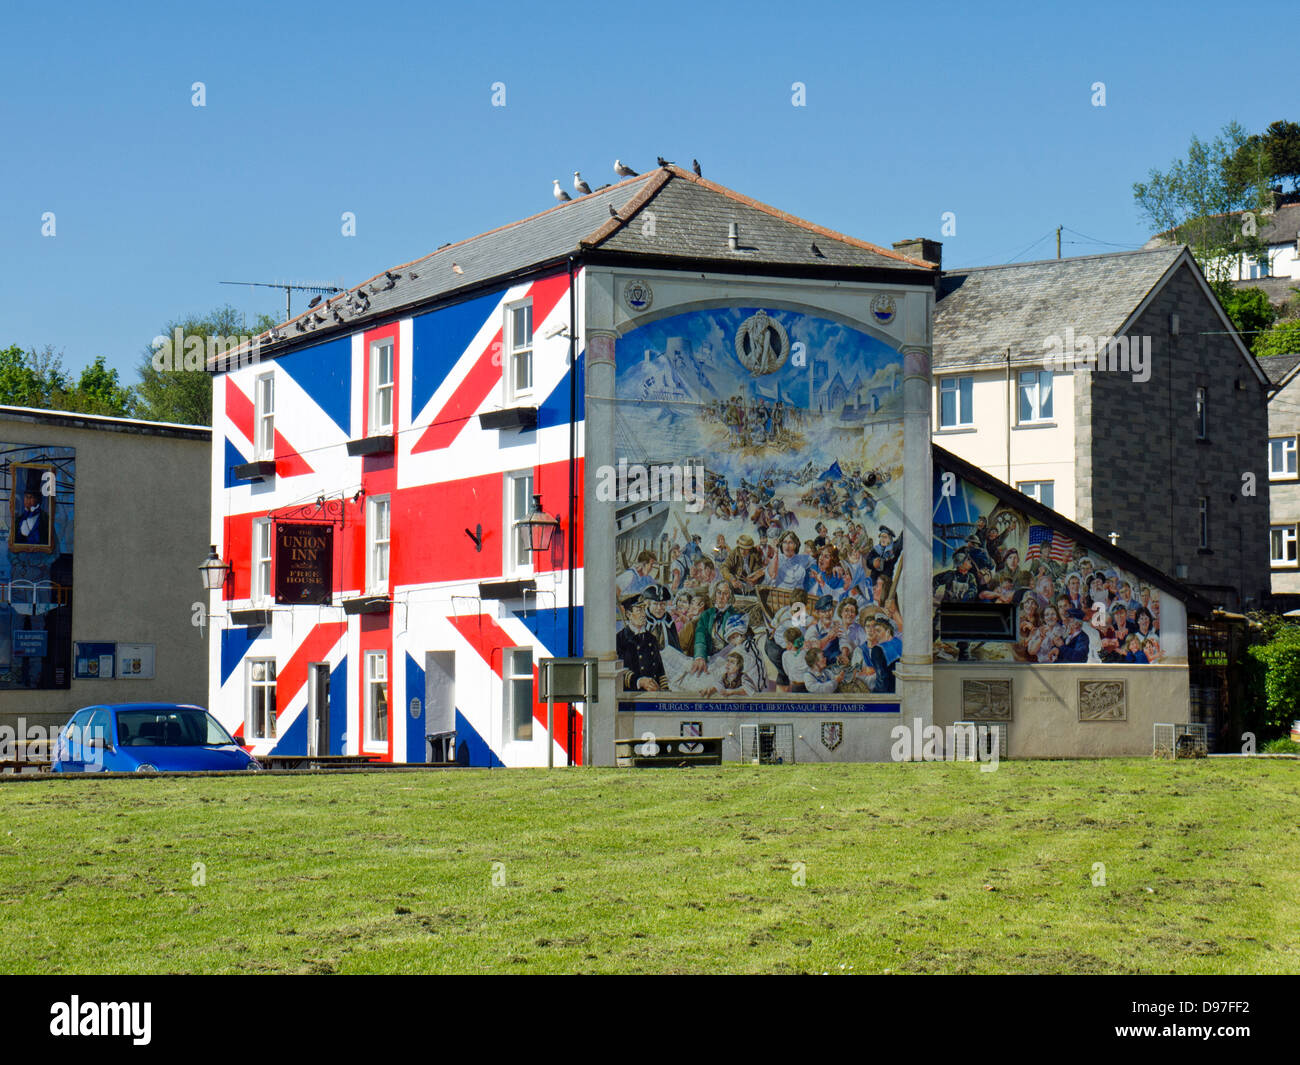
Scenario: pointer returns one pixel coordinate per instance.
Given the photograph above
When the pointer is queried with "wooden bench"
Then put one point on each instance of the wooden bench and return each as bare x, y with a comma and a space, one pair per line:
665, 752
18, 765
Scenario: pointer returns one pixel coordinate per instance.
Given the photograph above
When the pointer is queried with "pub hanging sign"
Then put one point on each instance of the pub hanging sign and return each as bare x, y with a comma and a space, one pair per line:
304, 563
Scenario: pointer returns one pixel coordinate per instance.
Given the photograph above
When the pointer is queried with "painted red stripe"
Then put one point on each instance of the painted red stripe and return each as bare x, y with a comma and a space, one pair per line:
486, 372
465, 401
288, 463
315, 648
490, 640
239, 409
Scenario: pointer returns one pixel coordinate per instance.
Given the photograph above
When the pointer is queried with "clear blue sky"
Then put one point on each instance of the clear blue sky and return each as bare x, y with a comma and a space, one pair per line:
385, 110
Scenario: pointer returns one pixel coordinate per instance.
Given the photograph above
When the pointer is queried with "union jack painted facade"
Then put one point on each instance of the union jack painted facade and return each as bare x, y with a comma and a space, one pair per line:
445, 474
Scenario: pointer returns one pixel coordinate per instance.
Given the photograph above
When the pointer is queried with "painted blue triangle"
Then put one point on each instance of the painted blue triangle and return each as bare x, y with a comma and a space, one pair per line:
233, 458
471, 747
325, 374
439, 339
551, 627
555, 408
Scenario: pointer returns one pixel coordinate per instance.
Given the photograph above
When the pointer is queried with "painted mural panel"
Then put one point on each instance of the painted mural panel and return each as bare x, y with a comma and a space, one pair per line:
36, 520
758, 487
1070, 604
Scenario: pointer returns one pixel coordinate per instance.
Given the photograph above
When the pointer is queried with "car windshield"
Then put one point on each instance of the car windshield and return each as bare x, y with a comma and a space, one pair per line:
170, 728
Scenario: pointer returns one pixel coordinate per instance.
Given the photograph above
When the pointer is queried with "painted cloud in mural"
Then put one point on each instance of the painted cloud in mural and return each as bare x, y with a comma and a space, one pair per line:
758, 487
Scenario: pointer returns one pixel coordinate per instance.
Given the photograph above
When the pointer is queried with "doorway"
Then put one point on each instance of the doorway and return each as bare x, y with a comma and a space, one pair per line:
440, 705
318, 709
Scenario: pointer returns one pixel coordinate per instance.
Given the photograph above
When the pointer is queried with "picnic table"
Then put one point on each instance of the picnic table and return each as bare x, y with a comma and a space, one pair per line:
314, 761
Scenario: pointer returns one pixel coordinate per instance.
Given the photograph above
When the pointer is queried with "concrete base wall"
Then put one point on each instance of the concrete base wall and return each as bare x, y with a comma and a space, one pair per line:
866, 737
1045, 706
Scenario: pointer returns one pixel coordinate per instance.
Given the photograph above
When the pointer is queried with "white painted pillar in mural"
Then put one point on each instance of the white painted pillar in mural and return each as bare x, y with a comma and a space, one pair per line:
599, 561
915, 673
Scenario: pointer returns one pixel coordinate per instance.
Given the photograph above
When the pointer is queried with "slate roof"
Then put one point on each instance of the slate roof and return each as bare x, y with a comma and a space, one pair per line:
1277, 289
983, 311
691, 220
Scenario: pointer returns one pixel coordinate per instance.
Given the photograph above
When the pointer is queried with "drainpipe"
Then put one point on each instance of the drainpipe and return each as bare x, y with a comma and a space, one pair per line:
1009, 417
573, 461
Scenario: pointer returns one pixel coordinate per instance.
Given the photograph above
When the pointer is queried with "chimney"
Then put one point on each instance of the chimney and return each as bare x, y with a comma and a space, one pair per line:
921, 248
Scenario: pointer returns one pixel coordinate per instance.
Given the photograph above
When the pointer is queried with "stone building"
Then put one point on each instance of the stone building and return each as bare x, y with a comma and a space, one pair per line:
1114, 389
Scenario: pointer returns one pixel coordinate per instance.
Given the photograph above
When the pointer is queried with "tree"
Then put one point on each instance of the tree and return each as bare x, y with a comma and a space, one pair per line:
1282, 339
1199, 199
174, 384
98, 391
1248, 308
31, 378
1277, 675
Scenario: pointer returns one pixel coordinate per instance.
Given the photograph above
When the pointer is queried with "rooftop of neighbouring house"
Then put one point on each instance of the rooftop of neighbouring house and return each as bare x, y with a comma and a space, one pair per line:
983, 311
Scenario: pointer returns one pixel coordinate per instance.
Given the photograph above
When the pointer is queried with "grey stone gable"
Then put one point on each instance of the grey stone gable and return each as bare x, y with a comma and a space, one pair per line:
1278, 366
692, 217
983, 311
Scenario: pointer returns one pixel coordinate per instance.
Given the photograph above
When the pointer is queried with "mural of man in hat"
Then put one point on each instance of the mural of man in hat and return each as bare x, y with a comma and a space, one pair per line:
882, 558
959, 584
643, 666
658, 621
743, 568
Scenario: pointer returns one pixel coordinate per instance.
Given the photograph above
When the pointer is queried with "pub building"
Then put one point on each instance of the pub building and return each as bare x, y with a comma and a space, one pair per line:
681, 433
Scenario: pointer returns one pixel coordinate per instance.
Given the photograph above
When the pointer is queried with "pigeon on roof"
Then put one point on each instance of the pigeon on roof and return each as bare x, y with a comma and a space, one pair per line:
695, 165
664, 162
558, 192
624, 171
313, 301
613, 211
580, 186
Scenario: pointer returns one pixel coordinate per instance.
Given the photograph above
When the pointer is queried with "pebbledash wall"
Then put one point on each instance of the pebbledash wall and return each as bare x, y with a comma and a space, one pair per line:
807, 406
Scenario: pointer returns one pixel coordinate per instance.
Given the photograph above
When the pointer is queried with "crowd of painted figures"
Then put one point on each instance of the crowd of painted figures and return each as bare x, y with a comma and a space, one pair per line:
1076, 610
770, 612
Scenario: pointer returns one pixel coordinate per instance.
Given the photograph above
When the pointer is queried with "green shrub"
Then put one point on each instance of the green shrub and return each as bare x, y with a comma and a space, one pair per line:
1281, 745
1279, 657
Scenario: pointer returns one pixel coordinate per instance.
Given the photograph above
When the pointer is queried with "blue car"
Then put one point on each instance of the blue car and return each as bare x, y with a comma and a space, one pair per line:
147, 738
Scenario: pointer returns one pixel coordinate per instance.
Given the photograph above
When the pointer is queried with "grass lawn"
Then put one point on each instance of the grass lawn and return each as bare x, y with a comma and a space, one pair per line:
912, 868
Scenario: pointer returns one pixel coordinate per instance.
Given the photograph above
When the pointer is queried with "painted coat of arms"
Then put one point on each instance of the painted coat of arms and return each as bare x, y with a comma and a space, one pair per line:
832, 734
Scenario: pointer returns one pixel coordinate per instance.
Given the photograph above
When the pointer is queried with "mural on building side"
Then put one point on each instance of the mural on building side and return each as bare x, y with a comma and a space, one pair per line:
758, 489
36, 519
1070, 604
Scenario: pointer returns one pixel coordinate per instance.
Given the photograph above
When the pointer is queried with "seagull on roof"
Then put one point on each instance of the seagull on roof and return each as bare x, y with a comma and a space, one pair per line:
558, 192
580, 186
624, 171
695, 165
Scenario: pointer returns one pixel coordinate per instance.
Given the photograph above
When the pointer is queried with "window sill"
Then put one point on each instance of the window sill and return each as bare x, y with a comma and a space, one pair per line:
954, 430
1205, 551
1035, 425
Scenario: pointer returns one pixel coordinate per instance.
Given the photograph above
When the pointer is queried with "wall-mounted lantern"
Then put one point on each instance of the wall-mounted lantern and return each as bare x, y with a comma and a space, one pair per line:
541, 527
214, 570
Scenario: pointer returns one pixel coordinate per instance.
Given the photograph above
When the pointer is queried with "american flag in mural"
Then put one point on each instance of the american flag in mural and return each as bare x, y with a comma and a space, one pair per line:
1045, 541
